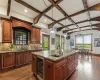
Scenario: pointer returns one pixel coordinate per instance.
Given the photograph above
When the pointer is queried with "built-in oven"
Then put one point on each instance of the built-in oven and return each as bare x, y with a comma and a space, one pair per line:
40, 67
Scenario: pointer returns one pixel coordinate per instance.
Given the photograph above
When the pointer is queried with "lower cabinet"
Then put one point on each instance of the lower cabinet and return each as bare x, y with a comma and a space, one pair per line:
19, 59
62, 69
13, 60
27, 58
34, 64
8, 60
60, 73
48, 72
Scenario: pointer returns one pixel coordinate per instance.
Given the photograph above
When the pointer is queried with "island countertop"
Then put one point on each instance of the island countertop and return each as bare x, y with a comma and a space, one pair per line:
48, 54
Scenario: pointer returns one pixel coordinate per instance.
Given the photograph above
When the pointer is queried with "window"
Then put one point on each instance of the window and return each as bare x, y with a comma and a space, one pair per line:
46, 42
20, 36
57, 41
84, 42
62, 42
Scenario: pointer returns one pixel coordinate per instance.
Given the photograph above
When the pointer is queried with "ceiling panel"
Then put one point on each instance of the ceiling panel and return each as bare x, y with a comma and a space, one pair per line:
66, 22
20, 9
95, 22
57, 25
4, 3
84, 24
72, 6
94, 14
92, 2
80, 17
45, 20
56, 14
38, 4
71, 27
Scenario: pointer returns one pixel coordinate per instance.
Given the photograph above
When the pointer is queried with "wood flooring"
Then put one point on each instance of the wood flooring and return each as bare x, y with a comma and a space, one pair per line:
88, 69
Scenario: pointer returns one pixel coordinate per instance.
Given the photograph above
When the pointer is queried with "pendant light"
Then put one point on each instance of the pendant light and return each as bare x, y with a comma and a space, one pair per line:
65, 29
52, 31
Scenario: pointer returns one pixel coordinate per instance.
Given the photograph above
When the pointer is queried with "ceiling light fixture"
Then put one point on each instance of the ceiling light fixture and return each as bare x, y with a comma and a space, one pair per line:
65, 29
45, 20
25, 10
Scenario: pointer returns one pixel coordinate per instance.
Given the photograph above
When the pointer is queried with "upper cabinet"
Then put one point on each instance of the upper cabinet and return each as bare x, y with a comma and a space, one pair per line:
17, 23
35, 37
6, 31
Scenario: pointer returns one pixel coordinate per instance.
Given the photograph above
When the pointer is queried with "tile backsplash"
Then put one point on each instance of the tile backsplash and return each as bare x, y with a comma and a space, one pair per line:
7, 47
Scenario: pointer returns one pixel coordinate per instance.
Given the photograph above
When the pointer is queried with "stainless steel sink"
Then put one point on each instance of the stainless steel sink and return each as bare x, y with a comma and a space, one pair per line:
55, 55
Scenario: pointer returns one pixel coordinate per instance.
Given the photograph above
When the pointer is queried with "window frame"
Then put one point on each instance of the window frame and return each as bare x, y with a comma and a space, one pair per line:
83, 40
21, 30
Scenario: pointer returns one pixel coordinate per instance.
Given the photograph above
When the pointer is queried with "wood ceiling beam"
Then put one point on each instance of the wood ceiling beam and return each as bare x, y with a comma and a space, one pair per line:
37, 18
95, 7
84, 30
8, 8
63, 12
86, 7
92, 19
97, 25
34, 9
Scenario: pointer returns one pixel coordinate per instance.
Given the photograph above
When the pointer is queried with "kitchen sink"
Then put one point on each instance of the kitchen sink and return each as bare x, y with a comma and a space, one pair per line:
55, 55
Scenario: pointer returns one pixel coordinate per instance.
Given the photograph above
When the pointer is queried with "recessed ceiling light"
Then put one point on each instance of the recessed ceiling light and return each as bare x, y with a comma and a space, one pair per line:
25, 10
45, 20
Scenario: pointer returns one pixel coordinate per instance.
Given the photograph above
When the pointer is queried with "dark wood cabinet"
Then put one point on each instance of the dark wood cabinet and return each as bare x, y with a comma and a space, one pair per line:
59, 73
48, 70
60, 70
19, 59
35, 37
6, 31
8, 60
27, 57
34, 64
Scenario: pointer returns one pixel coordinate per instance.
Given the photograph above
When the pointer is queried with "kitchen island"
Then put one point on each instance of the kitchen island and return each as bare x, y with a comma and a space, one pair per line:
47, 66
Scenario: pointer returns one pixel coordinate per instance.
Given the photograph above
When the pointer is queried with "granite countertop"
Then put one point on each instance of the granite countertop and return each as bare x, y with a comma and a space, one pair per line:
14, 51
47, 54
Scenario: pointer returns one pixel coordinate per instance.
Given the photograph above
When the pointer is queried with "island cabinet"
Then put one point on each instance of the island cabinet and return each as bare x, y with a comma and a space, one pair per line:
34, 64
60, 70
6, 31
8, 60
35, 37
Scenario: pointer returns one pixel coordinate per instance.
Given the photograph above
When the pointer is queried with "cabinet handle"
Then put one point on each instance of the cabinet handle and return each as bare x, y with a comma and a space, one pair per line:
49, 66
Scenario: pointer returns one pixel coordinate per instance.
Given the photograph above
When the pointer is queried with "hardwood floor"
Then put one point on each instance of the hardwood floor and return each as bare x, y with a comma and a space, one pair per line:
88, 69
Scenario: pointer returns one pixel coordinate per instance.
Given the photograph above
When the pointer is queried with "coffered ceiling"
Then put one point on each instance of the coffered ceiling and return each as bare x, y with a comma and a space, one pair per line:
65, 15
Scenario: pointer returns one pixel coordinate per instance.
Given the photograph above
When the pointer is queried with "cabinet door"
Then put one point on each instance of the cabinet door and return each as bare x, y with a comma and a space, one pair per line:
7, 31
33, 35
38, 35
65, 71
34, 64
19, 59
27, 58
8, 60
48, 70
59, 73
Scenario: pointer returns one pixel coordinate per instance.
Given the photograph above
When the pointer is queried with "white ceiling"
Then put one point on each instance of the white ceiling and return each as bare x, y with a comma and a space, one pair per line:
69, 6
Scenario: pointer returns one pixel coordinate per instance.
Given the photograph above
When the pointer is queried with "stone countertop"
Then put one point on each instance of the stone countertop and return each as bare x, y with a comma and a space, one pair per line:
48, 54
15, 51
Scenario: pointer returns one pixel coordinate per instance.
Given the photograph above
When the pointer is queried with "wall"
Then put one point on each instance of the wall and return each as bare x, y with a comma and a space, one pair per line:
45, 31
95, 34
